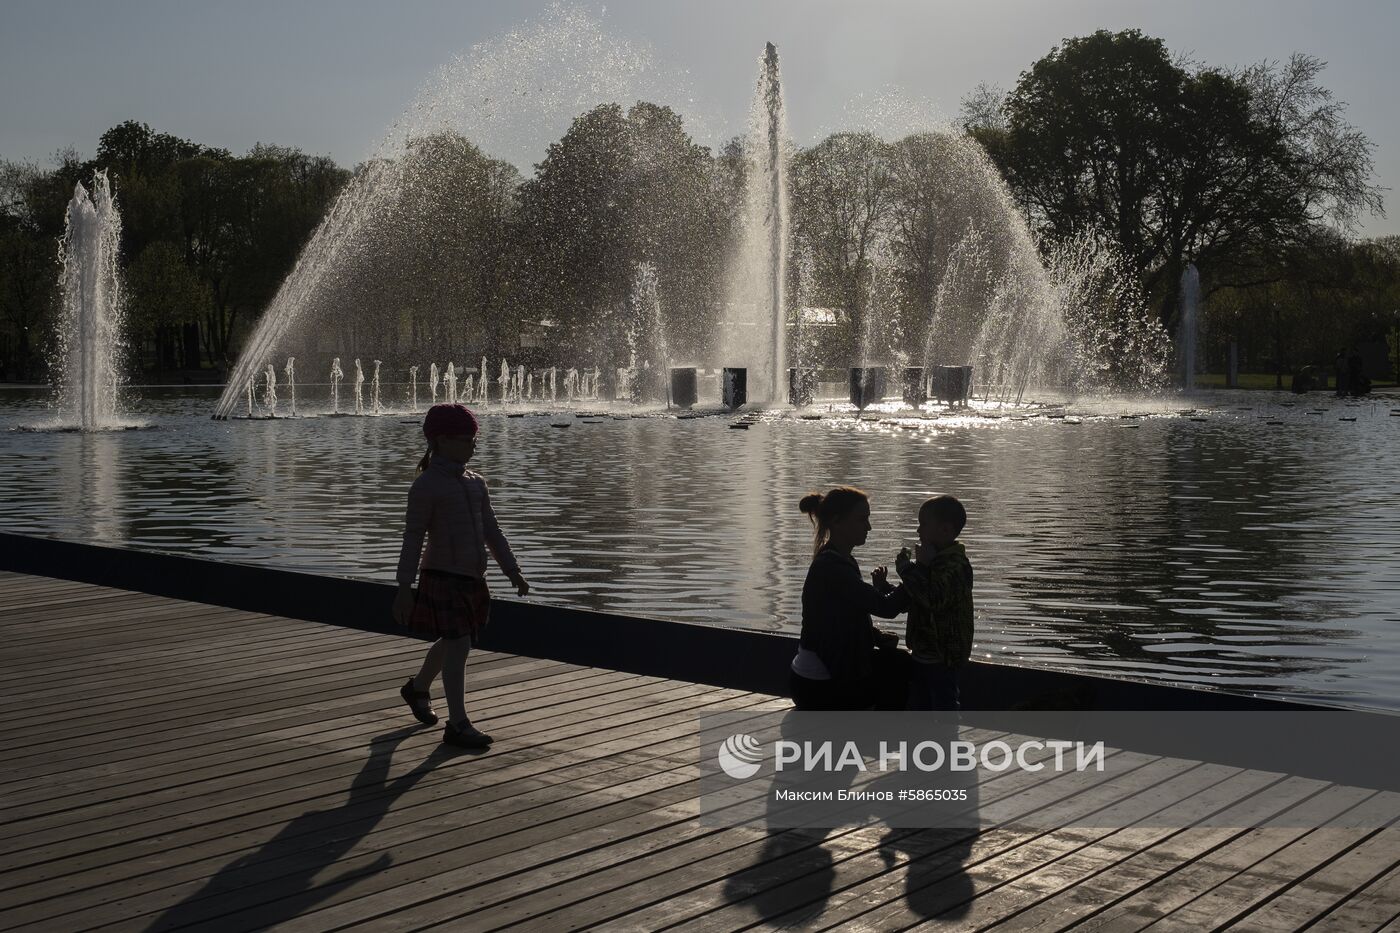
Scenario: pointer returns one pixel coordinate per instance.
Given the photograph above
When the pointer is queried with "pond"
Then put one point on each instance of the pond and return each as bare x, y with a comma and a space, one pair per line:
1247, 545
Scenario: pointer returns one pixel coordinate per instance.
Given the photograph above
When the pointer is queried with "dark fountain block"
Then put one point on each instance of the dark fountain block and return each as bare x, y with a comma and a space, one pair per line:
801, 387
951, 384
867, 385
913, 386
736, 387
684, 389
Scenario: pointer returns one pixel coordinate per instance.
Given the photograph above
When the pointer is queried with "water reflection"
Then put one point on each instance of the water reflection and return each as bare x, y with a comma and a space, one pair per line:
1251, 550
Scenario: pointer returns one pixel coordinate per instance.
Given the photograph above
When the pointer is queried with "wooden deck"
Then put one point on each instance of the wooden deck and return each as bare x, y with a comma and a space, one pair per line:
171, 765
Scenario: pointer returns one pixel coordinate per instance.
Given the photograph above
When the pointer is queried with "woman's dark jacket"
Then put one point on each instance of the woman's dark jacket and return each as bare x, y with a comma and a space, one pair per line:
837, 605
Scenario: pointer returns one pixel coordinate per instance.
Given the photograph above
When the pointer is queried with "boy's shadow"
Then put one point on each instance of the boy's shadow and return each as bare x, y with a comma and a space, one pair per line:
284, 870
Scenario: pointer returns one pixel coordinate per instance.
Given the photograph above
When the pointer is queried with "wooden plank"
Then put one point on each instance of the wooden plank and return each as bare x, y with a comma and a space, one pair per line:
207, 690
1307, 900
1204, 870
40, 801
1020, 857
395, 827
723, 876
324, 707
1132, 860
1371, 908
229, 789
1236, 897
257, 771
158, 764
327, 783
540, 817
200, 833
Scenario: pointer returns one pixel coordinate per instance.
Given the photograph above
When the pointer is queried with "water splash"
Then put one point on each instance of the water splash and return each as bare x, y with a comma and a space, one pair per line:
290, 372
270, 391
511, 96
755, 323
337, 374
89, 348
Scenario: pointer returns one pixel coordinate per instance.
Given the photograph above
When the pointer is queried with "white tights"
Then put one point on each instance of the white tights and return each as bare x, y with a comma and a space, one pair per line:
448, 657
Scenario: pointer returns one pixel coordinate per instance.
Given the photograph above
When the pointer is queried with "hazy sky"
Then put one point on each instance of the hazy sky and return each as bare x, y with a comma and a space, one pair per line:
331, 77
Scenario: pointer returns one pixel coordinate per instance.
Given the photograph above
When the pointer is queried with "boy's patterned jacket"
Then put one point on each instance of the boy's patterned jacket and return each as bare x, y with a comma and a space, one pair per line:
940, 609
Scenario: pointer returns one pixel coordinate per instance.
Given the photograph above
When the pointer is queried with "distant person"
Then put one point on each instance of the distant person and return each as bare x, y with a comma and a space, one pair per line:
938, 580
843, 662
1304, 380
449, 504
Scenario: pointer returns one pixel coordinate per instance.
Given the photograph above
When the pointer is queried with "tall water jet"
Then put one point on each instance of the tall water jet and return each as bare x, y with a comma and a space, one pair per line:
93, 308
270, 391
413, 387
756, 324
337, 374
433, 381
290, 371
359, 388
648, 353
449, 383
375, 405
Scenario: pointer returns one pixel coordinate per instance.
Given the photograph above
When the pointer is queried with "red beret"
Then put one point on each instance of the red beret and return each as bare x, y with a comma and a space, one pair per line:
449, 419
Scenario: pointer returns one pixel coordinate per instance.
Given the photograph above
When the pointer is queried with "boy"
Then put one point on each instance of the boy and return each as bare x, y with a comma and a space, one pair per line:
939, 583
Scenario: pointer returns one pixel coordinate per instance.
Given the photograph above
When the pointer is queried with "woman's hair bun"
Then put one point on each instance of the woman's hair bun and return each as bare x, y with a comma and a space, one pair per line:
810, 503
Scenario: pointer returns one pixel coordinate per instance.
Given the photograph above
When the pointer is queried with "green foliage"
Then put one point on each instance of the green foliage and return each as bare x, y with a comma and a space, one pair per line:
617, 191
1181, 163
1252, 174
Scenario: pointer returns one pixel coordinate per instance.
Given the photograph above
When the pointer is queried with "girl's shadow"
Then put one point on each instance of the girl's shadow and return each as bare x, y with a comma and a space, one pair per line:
284, 870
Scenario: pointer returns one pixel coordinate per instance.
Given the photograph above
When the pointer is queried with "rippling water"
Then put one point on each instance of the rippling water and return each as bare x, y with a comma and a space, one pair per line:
1249, 548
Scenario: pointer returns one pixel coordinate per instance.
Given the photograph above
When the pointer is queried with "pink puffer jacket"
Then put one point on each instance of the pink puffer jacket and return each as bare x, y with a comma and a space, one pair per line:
450, 505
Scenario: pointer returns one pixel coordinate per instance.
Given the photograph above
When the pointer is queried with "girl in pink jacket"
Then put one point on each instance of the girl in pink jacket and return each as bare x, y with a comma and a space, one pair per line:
449, 504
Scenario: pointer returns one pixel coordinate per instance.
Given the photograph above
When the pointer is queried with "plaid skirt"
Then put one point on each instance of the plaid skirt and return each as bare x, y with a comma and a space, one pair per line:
449, 605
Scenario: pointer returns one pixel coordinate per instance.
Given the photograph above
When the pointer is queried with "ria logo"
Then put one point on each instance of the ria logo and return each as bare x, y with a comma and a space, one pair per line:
740, 756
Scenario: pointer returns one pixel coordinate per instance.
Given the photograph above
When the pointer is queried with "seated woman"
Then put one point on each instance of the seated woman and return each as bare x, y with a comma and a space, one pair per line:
843, 662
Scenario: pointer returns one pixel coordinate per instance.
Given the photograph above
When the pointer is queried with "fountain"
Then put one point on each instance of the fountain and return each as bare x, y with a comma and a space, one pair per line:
648, 356
755, 328
967, 288
290, 372
433, 377
359, 389
375, 405
413, 388
89, 345
449, 383
270, 391
337, 374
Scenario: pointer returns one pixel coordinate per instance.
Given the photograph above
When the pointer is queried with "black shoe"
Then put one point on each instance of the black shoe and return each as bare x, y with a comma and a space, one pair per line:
413, 698
465, 736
